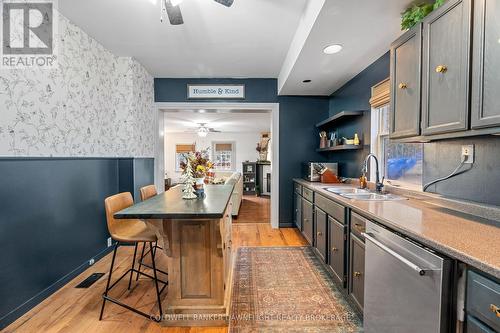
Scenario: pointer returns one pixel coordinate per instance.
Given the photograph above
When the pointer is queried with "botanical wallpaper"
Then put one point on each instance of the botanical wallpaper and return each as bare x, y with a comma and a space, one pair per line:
93, 104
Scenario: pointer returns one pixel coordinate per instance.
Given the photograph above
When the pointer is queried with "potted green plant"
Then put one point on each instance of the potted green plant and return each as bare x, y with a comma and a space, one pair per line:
416, 13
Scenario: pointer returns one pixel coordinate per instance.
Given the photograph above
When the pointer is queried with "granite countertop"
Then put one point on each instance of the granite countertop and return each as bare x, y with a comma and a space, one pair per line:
170, 205
468, 238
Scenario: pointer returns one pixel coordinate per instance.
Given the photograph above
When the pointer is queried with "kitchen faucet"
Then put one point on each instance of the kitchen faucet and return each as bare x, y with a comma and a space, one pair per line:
379, 185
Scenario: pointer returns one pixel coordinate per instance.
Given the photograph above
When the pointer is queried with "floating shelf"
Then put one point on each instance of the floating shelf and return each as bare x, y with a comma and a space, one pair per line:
341, 116
341, 147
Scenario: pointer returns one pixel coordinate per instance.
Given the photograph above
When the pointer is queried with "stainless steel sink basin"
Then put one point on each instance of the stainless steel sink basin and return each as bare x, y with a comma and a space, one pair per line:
372, 196
342, 190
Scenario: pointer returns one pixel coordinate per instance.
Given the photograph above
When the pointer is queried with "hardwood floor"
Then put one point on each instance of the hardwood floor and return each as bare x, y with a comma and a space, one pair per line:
254, 209
77, 310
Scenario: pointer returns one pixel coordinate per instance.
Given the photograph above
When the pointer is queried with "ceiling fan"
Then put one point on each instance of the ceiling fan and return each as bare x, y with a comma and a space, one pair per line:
171, 7
203, 130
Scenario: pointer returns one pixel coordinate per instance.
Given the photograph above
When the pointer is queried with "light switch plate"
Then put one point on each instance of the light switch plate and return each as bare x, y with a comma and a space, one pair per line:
110, 241
468, 153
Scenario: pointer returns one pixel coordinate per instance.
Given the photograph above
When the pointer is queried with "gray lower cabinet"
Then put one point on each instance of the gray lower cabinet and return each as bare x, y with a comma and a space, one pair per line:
485, 103
307, 220
320, 223
336, 260
298, 211
475, 326
445, 68
357, 270
405, 84
482, 303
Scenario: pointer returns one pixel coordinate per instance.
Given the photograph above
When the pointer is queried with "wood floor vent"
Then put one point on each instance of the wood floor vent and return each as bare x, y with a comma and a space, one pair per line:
90, 280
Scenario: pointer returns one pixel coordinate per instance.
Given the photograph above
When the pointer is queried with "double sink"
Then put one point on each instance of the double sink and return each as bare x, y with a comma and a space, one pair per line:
362, 194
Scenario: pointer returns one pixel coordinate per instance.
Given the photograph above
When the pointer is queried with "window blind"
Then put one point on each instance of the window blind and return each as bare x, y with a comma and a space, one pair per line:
223, 147
184, 148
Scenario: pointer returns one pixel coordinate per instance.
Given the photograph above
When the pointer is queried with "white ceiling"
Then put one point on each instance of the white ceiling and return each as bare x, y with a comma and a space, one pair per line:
281, 39
249, 39
365, 29
226, 121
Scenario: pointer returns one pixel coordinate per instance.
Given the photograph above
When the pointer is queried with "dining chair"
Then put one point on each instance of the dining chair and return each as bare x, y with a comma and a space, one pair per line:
148, 192
130, 231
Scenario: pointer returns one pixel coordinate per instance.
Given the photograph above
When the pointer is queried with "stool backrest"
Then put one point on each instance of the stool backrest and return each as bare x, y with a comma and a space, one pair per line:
114, 204
148, 192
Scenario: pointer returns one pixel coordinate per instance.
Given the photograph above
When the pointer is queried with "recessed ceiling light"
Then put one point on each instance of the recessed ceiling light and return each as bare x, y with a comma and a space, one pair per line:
306, 81
201, 111
331, 49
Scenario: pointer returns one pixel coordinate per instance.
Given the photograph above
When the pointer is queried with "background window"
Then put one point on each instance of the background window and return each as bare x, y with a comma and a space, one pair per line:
224, 156
401, 162
180, 154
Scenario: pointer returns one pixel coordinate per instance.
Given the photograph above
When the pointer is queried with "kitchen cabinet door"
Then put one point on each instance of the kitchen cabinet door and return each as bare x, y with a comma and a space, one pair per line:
485, 104
405, 84
298, 211
320, 222
357, 270
307, 221
445, 68
336, 257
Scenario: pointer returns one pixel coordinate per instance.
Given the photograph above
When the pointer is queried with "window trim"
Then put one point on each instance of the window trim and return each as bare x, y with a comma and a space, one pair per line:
177, 165
378, 150
233, 155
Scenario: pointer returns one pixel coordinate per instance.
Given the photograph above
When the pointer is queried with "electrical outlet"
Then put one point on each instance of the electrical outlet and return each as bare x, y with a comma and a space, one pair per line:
468, 154
91, 262
110, 241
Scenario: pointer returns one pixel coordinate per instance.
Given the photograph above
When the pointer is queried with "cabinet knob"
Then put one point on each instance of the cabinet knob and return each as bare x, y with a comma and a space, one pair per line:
402, 86
441, 69
334, 249
357, 274
319, 233
495, 309
306, 220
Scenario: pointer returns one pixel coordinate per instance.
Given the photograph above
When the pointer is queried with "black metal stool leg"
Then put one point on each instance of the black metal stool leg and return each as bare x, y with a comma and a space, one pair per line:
156, 280
140, 261
133, 265
109, 280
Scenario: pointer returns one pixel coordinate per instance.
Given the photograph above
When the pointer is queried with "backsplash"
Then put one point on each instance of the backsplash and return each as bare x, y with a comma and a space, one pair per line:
93, 104
481, 183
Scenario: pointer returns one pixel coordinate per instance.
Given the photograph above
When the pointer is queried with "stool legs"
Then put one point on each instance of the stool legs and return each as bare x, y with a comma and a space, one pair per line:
109, 280
133, 264
140, 261
156, 280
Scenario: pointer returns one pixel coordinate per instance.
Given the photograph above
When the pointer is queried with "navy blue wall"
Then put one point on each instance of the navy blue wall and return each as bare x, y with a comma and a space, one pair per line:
52, 222
298, 115
256, 90
355, 95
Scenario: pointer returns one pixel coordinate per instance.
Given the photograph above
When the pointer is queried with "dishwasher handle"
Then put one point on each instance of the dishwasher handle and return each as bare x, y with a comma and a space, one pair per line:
408, 263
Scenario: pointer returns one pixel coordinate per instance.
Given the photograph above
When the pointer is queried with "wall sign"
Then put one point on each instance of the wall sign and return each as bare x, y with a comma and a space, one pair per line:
216, 91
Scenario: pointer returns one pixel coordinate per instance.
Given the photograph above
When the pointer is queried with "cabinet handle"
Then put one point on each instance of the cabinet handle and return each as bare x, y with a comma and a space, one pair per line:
441, 69
495, 309
357, 274
334, 249
320, 233
306, 220
402, 86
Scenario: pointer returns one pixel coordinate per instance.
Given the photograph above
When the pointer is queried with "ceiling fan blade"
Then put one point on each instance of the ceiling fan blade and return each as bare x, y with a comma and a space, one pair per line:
226, 3
174, 13
213, 130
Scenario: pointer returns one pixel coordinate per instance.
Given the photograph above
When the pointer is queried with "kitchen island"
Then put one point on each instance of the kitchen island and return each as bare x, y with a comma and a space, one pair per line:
196, 237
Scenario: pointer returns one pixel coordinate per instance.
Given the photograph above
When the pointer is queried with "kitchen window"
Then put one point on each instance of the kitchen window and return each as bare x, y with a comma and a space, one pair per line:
181, 150
401, 163
224, 156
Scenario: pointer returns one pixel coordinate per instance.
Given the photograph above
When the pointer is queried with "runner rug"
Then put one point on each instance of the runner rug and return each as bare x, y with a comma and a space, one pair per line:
287, 289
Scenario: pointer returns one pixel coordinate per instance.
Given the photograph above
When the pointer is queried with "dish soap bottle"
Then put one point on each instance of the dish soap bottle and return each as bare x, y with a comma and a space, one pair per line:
356, 139
362, 181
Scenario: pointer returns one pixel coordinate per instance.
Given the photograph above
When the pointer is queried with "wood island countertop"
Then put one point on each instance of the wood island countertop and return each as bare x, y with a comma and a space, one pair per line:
468, 238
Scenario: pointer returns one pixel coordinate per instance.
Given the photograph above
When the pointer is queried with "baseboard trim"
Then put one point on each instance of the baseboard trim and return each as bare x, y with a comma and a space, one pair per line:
12, 316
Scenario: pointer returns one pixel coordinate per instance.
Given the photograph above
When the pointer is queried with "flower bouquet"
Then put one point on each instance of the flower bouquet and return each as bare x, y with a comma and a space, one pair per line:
199, 164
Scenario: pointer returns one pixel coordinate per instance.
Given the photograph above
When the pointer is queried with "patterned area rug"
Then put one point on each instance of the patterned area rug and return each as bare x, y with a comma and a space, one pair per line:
287, 289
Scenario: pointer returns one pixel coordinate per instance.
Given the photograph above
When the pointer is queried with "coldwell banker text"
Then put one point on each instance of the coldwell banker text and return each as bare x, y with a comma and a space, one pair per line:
212, 91
28, 34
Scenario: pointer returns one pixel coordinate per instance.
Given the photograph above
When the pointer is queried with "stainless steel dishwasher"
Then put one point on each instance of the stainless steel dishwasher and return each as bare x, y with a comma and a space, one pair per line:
406, 285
